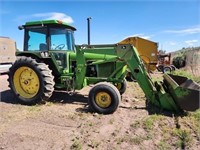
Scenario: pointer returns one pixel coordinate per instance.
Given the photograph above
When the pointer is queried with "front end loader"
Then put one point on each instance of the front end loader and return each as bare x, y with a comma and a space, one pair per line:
51, 60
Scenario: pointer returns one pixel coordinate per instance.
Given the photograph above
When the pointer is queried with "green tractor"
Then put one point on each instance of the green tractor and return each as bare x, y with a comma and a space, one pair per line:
51, 60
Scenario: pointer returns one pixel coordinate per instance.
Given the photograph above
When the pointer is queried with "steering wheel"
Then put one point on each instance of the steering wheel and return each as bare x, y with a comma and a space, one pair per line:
60, 46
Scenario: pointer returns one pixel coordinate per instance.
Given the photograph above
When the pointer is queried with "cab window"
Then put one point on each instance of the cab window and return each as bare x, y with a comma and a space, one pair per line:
36, 39
61, 39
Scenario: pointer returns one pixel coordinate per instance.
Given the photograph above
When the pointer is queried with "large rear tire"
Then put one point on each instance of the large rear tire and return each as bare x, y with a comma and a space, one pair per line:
104, 98
30, 81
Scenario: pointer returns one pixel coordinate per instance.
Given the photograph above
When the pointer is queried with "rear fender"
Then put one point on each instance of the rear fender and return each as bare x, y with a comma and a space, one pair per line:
42, 57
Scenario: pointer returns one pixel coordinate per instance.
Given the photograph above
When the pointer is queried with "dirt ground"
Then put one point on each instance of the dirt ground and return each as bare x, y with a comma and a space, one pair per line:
65, 122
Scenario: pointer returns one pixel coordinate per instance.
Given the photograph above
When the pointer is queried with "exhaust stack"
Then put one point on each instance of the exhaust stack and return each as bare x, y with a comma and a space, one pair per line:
88, 26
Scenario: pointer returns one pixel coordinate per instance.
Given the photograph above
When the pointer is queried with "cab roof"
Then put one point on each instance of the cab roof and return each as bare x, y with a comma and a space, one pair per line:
49, 22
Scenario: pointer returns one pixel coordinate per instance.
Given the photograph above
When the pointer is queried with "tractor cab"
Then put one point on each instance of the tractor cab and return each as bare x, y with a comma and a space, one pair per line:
48, 35
52, 37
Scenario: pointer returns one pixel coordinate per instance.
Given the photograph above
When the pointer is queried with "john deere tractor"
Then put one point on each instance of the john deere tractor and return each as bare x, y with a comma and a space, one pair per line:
51, 59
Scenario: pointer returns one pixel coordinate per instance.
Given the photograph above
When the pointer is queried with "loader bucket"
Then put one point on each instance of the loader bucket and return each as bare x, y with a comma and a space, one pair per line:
184, 91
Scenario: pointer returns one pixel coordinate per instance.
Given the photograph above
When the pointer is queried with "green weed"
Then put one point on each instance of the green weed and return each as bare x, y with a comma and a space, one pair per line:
196, 115
49, 104
120, 140
185, 138
111, 121
77, 145
94, 144
149, 122
137, 140
34, 108
136, 124
186, 74
162, 145
193, 121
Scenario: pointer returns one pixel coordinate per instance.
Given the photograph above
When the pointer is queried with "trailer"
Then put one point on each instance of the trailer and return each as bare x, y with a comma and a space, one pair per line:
7, 53
147, 50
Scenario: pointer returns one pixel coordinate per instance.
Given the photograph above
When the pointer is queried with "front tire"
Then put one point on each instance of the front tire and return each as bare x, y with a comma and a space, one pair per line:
160, 68
173, 67
104, 98
121, 86
30, 81
167, 69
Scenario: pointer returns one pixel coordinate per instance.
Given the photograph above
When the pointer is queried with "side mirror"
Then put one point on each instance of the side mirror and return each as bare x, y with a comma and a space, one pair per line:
20, 27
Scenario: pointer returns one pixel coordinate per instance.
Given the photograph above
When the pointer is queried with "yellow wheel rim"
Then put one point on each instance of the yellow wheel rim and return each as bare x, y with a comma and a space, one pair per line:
103, 99
118, 86
26, 82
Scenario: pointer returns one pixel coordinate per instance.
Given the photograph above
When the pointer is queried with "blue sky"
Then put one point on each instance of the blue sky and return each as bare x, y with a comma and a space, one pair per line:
174, 24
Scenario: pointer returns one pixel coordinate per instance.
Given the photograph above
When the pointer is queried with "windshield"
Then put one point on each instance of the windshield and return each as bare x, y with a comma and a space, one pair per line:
38, 38
61, 39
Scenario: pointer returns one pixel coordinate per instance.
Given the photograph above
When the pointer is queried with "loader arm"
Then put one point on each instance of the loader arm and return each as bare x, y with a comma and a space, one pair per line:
130, 55
160, 94
171, 94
